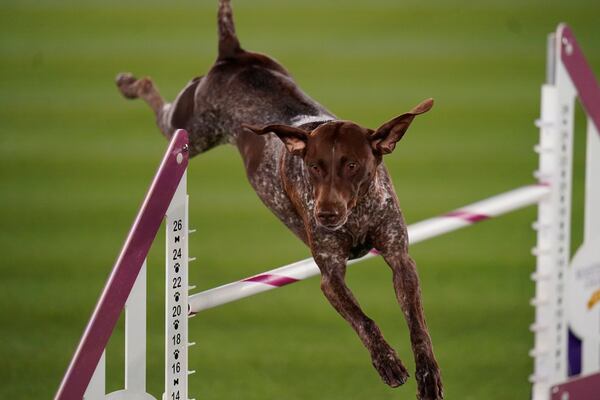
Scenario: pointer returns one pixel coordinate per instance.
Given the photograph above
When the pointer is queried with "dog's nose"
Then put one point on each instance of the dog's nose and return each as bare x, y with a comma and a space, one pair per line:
328, 218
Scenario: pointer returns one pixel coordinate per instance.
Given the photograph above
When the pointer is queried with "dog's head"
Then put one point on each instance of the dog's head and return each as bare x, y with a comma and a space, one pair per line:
342, 159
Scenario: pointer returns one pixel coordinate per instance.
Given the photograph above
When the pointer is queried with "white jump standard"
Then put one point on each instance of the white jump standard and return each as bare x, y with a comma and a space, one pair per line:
566, 329
126, 289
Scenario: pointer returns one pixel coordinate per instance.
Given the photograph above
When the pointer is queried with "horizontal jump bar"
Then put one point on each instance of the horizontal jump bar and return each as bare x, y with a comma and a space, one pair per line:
418, 232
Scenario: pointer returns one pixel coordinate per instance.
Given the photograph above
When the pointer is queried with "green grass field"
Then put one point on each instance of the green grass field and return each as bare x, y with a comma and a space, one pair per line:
76, 159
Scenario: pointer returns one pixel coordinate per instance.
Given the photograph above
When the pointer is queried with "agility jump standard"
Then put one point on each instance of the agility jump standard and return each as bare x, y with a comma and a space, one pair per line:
566, 329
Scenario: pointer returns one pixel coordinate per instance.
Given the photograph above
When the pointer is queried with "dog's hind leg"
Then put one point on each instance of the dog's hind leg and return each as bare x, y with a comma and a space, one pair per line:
169, 116
133, 88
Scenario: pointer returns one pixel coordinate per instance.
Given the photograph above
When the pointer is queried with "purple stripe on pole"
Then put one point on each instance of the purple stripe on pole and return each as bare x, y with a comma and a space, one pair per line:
270, 279
581, 74
574, 353
467, 216
126, 269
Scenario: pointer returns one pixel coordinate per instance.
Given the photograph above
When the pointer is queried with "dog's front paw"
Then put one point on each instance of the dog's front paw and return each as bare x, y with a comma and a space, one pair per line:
390, 368
429, 381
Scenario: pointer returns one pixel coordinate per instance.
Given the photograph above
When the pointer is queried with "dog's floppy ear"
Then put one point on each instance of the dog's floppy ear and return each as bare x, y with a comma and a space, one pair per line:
384, 139
294, 138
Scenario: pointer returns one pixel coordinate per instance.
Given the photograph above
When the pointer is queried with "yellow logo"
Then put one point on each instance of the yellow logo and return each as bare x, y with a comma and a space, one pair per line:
595, 298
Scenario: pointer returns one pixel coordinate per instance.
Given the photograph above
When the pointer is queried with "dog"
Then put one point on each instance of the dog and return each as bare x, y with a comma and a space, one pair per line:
324, 178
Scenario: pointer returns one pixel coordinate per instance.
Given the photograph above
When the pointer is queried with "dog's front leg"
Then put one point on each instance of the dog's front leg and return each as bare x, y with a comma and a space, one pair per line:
333, 285
406, 284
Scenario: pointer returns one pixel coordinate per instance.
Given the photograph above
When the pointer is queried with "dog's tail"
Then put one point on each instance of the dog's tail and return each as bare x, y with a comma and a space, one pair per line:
229, 45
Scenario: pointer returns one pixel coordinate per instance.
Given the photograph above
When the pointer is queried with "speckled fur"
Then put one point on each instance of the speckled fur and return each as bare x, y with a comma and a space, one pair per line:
251, 89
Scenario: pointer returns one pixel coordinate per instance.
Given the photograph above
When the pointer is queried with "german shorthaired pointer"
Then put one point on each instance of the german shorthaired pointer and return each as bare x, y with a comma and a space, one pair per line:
323, 177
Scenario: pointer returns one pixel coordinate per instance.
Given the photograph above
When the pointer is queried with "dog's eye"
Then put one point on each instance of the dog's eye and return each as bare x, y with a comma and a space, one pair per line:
314, 167
351, 166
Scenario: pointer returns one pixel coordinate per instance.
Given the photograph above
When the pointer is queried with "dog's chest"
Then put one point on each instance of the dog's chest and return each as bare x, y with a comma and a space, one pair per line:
266, 179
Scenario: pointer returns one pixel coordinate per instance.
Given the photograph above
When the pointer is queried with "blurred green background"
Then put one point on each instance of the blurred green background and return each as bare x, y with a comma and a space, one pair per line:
76, 160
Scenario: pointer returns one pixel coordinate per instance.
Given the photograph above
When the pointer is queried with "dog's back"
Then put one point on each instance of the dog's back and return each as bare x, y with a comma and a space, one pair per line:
244, 87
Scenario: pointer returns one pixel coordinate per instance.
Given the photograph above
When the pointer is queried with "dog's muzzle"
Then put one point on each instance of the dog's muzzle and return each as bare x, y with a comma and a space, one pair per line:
332, 220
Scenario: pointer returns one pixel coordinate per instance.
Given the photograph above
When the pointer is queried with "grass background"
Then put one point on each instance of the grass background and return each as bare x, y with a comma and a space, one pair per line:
76, 159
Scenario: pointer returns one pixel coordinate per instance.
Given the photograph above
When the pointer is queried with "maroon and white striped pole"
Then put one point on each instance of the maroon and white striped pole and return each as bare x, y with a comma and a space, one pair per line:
421, 231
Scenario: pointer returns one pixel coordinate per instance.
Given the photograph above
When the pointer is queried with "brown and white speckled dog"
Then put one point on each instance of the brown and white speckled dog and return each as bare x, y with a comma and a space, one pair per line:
330, 187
